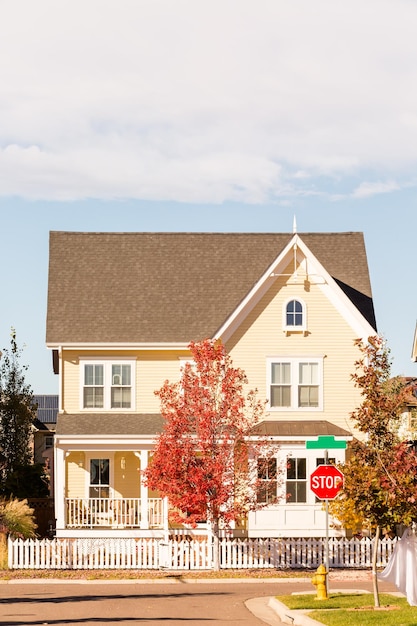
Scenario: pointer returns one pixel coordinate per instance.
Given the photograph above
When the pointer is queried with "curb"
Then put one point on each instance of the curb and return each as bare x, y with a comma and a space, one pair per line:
288, 616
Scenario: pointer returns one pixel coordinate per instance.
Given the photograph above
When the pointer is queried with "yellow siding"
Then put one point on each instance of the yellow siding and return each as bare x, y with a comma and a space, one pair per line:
126, 475
76, 475
152, 369
262, 336
259, 337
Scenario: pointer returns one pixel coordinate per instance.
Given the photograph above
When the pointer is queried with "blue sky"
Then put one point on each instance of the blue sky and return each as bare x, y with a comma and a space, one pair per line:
154, 115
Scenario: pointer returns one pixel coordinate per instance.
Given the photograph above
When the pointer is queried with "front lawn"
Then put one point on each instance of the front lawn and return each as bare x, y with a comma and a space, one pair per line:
355, 608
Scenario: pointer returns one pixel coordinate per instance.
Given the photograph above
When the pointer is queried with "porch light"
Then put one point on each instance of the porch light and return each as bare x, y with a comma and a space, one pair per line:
123, 463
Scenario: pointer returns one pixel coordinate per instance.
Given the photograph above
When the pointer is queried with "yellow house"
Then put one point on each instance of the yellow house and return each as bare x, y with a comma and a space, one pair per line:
122, 309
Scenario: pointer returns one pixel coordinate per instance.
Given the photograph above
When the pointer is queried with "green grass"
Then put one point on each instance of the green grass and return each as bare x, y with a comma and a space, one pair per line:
345, 609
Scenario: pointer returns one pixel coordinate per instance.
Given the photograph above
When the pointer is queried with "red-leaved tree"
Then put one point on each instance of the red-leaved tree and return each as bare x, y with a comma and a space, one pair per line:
202, 461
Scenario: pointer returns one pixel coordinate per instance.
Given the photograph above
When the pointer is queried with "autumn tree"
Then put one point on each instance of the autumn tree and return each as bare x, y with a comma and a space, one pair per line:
201, 457
380, 472
17, 413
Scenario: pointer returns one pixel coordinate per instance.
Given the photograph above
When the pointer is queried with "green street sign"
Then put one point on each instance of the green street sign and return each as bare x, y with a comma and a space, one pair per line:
326, 442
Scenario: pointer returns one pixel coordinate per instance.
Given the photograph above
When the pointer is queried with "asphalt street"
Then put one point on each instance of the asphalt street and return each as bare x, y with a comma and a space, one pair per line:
124, 603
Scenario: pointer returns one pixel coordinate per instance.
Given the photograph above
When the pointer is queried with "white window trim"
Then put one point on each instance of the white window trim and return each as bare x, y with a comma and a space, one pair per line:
294, 362
294, 329
107, 363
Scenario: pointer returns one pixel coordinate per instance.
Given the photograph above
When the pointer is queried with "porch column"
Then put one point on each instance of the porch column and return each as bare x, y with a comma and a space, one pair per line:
144, 500
59, 489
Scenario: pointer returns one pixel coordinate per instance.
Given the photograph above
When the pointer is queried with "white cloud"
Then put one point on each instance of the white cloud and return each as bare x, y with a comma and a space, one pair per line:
367, 189
204, 101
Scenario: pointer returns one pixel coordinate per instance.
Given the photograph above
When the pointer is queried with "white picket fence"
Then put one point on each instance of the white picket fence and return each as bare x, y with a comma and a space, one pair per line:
196, 554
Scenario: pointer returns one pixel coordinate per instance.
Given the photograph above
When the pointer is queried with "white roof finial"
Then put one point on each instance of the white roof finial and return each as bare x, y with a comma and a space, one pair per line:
294, 225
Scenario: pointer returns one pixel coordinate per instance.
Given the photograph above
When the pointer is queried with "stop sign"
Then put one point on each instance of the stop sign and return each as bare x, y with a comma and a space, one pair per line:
326, 481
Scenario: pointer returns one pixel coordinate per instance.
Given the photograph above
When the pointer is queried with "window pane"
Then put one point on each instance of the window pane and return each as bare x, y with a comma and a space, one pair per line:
301, 491
267, 472
308, 373
291, 469
126, 375
294, 313
301, 468
292, 492
89, 374
93, 398
314, 396
120, 398
99, 492
280, 396
120, 374
104, 471
94, 472
267, 468
93, 374
308, 396
281, 374
99, 471
297, 491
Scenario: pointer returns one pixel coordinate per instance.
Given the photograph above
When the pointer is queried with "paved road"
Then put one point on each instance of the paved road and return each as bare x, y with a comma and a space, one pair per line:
37, 603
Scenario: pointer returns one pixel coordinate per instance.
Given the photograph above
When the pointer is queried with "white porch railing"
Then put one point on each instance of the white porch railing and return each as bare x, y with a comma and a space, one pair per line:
113, 513
196, 553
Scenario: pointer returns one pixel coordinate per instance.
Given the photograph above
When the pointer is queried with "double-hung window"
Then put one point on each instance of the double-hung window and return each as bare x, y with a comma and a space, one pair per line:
107, 385
267, 480
296, 483
295, 384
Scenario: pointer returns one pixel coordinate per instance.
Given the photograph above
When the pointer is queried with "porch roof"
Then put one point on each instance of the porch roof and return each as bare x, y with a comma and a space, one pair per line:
109, 424
299, 429
152, 423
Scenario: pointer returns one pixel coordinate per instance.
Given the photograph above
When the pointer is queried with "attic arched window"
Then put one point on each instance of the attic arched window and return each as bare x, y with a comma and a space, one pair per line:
294, 315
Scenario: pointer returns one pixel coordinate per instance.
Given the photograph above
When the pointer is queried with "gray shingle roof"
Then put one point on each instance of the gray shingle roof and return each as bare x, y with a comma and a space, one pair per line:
299, 428
151, 424
109, 424
175, 287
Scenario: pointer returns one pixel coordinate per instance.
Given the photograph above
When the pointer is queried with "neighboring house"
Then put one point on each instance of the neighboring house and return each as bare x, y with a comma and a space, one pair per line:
122, 309
44, 430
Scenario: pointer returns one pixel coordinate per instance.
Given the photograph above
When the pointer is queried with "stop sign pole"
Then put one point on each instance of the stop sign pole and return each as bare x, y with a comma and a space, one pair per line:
322, 486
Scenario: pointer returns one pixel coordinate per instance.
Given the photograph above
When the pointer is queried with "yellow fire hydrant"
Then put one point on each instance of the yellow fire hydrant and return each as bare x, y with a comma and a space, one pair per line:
319, 580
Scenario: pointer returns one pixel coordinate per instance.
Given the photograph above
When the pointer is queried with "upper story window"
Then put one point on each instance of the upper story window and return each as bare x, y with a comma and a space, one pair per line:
107, 385
295, 384
294, 315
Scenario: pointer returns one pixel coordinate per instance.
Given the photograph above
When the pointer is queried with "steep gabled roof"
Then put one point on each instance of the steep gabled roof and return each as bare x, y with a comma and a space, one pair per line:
132, 288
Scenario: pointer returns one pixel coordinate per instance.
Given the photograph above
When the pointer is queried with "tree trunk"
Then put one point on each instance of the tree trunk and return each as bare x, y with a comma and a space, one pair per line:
374, 572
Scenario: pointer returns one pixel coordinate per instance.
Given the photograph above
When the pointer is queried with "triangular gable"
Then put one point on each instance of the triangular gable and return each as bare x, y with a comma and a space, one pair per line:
306, 267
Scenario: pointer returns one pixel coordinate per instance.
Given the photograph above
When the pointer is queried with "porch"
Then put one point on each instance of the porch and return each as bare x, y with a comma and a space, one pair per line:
115, 513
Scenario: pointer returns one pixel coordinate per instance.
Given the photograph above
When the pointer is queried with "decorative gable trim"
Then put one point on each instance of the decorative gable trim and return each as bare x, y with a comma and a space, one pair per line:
306, 267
